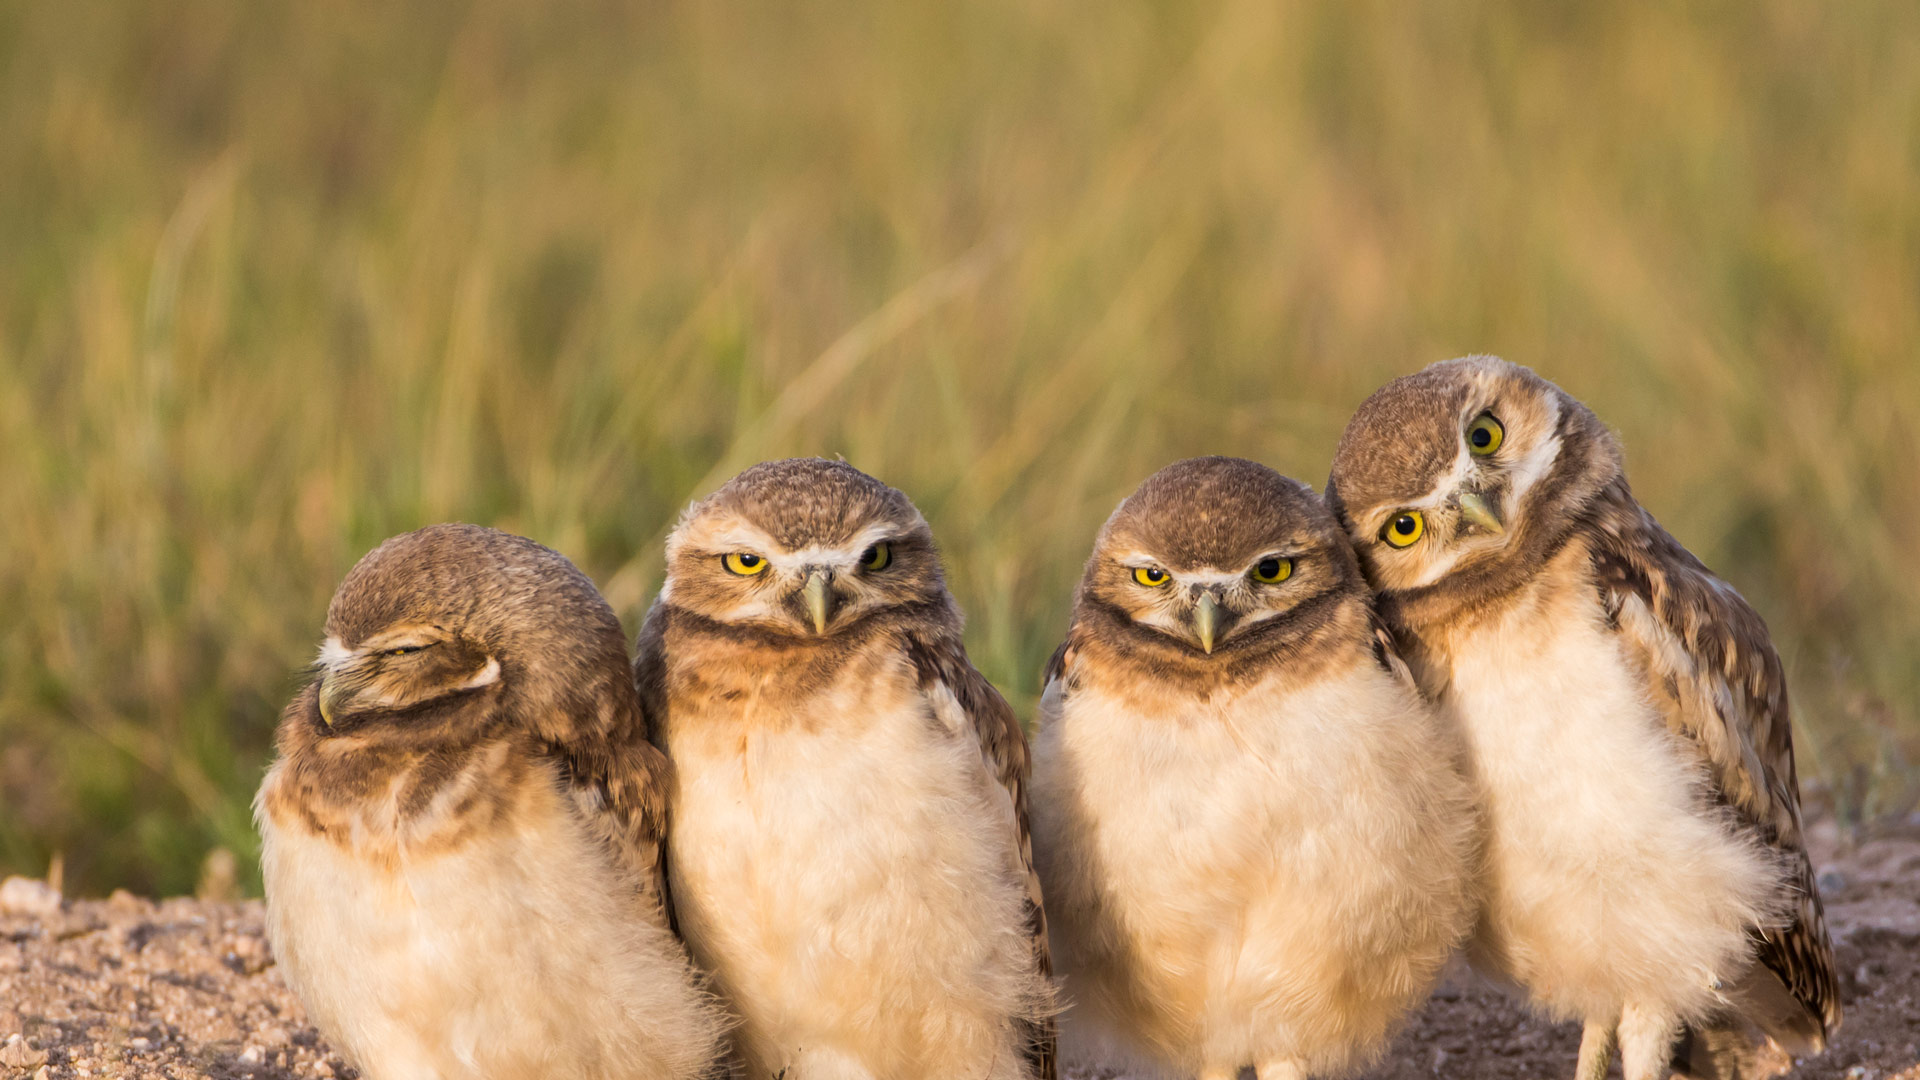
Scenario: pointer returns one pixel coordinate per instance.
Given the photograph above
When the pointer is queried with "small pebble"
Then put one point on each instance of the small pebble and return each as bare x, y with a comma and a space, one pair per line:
252, 1055
140, 1045
29, 896
19, 1054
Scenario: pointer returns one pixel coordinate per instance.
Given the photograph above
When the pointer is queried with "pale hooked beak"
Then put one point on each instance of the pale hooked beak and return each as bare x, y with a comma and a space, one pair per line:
1475, 511
330, 693
1206, 620
818, 596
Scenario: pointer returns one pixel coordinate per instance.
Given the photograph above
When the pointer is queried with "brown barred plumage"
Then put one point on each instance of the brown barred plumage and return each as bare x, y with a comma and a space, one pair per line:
845, 777
1745, 739
468, 780
1541, 606
942, 662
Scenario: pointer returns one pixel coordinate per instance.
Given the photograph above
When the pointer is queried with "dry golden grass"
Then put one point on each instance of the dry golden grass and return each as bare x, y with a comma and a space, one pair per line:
280, 280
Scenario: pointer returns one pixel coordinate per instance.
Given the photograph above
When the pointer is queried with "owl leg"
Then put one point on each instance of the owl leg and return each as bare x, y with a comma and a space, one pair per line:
1596, 1049
1280, 1070
1219, 1073
1646, 1042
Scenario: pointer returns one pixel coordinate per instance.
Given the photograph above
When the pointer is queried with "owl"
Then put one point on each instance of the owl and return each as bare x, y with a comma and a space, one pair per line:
849, 856
462, 831
1626, 722
1251, 830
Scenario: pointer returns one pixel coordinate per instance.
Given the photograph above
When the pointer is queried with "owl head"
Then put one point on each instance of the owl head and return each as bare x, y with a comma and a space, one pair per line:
1219, 558
454, 626
1463, 470
803, 548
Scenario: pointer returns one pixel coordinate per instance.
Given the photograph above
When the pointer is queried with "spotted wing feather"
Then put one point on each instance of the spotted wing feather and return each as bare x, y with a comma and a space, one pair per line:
942, 665
1711, 664
620, 785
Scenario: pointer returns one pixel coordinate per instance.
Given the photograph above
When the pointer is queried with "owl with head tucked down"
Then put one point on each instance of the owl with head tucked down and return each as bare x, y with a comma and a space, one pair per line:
462, 832
849, 856
1626, 722
1252, 834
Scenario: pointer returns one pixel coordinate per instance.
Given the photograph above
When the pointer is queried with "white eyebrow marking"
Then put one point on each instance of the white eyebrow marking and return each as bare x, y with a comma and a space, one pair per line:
486, 676
842, 555
1463, 469
1529, 470
333, 653
1215, 580
1206, 575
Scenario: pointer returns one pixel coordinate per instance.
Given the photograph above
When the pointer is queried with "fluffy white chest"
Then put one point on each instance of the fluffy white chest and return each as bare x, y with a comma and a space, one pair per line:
1610, 877
1203, 868
1181, 805
517, 952
845, 873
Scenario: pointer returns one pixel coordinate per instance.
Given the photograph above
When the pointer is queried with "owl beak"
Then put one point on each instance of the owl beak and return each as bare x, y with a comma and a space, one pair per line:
330, 692
1475, 511
818, 596
1206, 620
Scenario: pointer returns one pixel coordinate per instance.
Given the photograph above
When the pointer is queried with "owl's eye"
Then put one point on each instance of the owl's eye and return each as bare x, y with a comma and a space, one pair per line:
1151, 576
1485, 435
407, 650
1273, 571
1405, 527
877, 557
744, 563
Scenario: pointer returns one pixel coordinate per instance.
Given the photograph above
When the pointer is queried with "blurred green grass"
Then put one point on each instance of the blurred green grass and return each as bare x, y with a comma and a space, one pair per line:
280, 280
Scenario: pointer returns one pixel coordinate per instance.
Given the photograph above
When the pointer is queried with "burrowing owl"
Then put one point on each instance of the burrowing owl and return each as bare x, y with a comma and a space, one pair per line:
1250, 827
462, 831
1626, 719
849, 854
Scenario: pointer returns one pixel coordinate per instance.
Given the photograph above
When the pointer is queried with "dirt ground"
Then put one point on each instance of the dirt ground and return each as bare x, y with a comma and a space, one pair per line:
127, 987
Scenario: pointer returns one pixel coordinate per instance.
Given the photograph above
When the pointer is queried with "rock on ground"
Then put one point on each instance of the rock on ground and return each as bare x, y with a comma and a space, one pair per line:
183, 988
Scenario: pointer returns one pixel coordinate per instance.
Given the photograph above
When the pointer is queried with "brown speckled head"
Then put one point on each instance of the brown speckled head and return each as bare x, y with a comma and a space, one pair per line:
1213, 568
803, 548
1463, 477
448, 616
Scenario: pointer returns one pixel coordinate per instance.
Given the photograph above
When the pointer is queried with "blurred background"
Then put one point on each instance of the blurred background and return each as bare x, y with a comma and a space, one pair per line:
279, 280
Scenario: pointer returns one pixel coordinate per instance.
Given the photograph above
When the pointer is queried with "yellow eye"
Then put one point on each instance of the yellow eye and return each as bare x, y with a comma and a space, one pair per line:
1273, 571
1406, 527
1151, 576
877, 556
745, 563
1485, 435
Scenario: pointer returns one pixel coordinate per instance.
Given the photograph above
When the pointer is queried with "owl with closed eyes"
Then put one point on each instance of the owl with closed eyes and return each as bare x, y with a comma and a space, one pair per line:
1626, 720
462, 832
849, 857
1250, 828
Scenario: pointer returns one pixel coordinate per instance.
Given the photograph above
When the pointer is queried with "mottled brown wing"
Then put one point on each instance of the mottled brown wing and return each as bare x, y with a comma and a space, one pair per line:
1060, 664
943, 667
620, 787
1712, 666
1386, 653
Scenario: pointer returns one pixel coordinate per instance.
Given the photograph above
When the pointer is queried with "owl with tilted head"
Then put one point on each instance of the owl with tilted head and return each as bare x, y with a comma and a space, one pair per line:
1626, 722
462, 832
849, 855
1251, 830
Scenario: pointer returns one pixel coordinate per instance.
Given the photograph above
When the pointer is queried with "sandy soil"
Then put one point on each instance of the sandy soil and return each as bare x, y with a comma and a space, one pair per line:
183, 988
